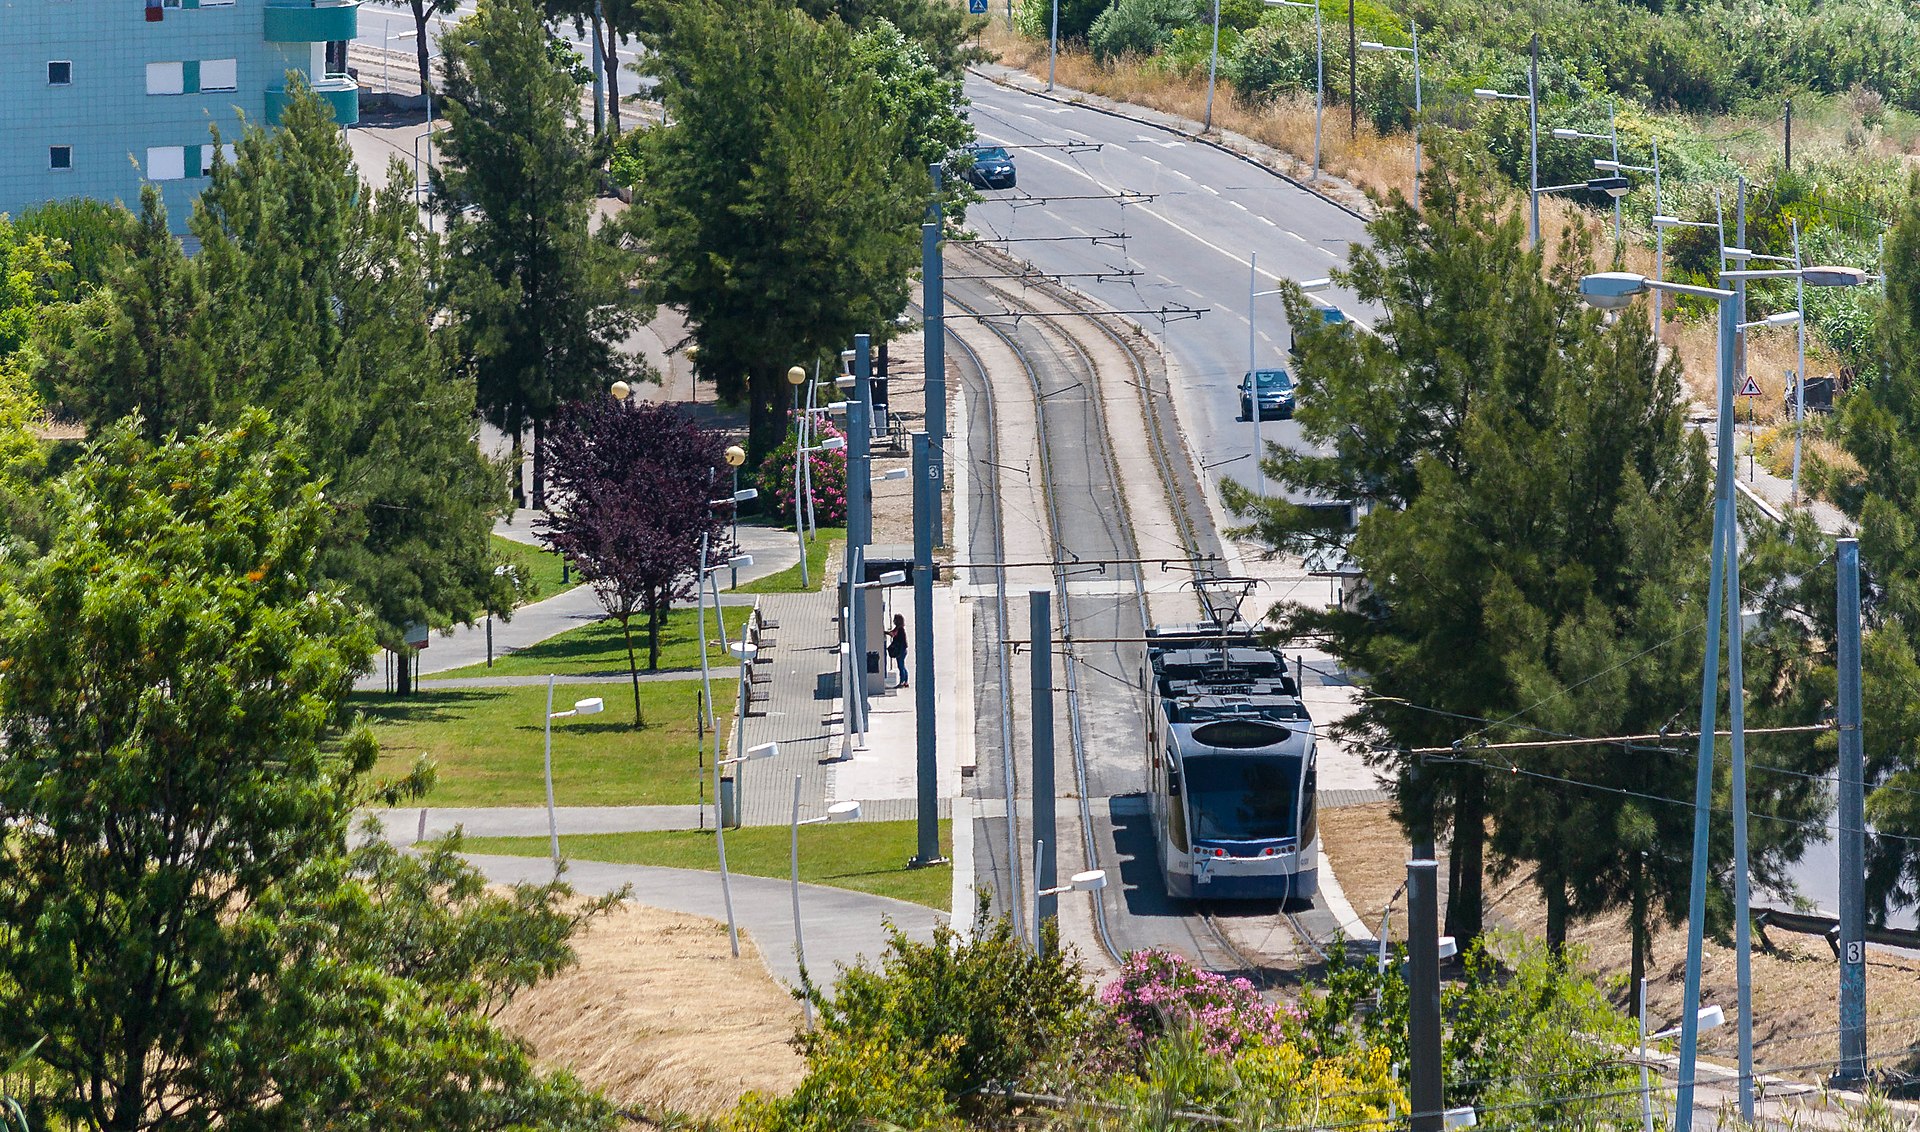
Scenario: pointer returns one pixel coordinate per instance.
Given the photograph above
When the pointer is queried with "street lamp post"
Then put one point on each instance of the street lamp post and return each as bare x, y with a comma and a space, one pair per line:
1319, 73
1093, 880
839, 811
1611, 290
1532, 99
1213, 65
753, 754
1612, 135
1370, 45
589, 706
736, 456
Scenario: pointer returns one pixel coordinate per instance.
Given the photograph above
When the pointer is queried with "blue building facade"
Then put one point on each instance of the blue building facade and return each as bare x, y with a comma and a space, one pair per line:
104, 96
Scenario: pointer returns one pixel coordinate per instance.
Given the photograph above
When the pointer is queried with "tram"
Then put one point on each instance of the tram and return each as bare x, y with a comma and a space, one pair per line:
1231, 768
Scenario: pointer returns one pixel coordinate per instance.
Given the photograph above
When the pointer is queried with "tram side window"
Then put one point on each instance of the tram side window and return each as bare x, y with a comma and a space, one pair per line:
1176, 807
1309, 814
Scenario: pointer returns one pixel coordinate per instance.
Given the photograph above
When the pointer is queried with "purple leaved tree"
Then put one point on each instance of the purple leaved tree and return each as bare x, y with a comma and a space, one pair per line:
630, 490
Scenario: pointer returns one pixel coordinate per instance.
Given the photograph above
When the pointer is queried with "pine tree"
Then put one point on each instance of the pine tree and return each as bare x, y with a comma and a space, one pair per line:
778, 203
1533, 516
542, 300
316, 298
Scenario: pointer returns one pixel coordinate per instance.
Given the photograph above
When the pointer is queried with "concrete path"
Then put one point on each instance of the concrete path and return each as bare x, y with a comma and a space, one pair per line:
840, 927
773, 550
403, 827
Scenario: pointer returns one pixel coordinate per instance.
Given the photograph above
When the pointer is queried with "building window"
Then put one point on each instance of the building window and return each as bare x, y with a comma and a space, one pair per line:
59, 157
166, 78
60, 72
219, 74
206, 158
166, 162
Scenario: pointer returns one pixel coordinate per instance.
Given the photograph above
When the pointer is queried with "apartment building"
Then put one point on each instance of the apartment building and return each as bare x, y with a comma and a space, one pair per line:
105, 96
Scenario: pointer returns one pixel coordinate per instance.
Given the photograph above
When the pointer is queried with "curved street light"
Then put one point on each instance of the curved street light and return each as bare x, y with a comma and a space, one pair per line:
837, 812
589, 706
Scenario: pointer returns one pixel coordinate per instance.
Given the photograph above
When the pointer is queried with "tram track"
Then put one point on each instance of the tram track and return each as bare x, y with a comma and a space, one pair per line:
1078, 465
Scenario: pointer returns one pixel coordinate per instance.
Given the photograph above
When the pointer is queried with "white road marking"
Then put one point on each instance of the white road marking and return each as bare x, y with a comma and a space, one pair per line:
1297, 236
1179, 173
1211, 189
1238, 205
1268, 222
1148, 160
1149, 210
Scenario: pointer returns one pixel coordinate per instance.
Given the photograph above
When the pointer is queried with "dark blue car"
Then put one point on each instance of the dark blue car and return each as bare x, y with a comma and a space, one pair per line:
991, 167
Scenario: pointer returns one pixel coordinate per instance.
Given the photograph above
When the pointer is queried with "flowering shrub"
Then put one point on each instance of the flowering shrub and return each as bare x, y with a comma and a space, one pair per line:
829, 480
1159, 992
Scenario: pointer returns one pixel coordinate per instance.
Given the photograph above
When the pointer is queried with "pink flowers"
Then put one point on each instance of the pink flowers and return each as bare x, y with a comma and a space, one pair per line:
1158, 991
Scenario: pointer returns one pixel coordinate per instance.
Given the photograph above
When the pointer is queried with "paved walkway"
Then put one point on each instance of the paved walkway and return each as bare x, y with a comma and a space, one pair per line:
840, 927
773, 550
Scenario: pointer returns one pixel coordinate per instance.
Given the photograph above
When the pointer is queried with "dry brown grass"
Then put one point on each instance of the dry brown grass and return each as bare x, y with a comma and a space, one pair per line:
1795, 980
1367, 166
660, 1016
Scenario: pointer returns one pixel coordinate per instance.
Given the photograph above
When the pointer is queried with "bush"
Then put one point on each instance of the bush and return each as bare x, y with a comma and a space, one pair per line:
1159, 993
966, 1014
1137, 27
1270, 60
829, 481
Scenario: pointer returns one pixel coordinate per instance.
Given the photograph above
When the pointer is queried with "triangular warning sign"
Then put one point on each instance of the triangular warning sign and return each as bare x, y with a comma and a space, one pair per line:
1751, 389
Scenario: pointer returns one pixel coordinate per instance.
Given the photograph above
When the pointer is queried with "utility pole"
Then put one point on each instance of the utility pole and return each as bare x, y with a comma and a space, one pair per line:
1423, 986
933, 274
1789, 135
1040, 634
1853, 834
1533, 136
1353, 75
926, 507
1213, 66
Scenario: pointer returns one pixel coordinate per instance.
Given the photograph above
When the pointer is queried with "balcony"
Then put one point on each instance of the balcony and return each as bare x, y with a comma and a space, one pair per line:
312, 21
340, 92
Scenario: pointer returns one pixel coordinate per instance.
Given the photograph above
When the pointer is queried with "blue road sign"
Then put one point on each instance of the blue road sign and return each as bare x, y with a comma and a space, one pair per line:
976, 7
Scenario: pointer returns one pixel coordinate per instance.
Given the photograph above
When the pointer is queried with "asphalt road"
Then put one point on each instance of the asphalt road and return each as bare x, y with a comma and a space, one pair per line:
1193, 245
392, 22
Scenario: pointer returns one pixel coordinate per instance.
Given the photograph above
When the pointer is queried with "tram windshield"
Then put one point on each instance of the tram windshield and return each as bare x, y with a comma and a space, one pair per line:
1236, 798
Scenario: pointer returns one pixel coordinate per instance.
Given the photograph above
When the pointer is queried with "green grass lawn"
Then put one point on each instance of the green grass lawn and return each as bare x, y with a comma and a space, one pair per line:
538, 563
486, 743
863, 856
598, 649
788, 581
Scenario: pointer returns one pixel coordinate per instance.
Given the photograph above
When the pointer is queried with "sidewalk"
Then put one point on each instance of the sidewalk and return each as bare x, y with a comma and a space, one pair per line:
841, 927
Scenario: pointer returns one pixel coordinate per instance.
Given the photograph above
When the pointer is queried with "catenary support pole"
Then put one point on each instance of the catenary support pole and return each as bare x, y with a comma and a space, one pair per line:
1053, 43
934, 347
1853, 831
1737, 786
926, 504
1040, 626
1423, 988
1253, 375
599, 74
1353, 74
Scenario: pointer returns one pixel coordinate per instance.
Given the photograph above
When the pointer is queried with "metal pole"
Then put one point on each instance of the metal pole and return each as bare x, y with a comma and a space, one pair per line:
813, 402
1213, 64
860, 446
1415, 24
1053, 43
1800, 376
1253, 373
1660, 246
799, 943
1709, 704
1613, 128
1533, 135
800, 458
733, 572
926, 503
720, 825
1853, 826
553, 823
1427, 1106
934, 342
1646, 1077
1742, 919
1353, 75
1040, 625
1319, 86
1039, 853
